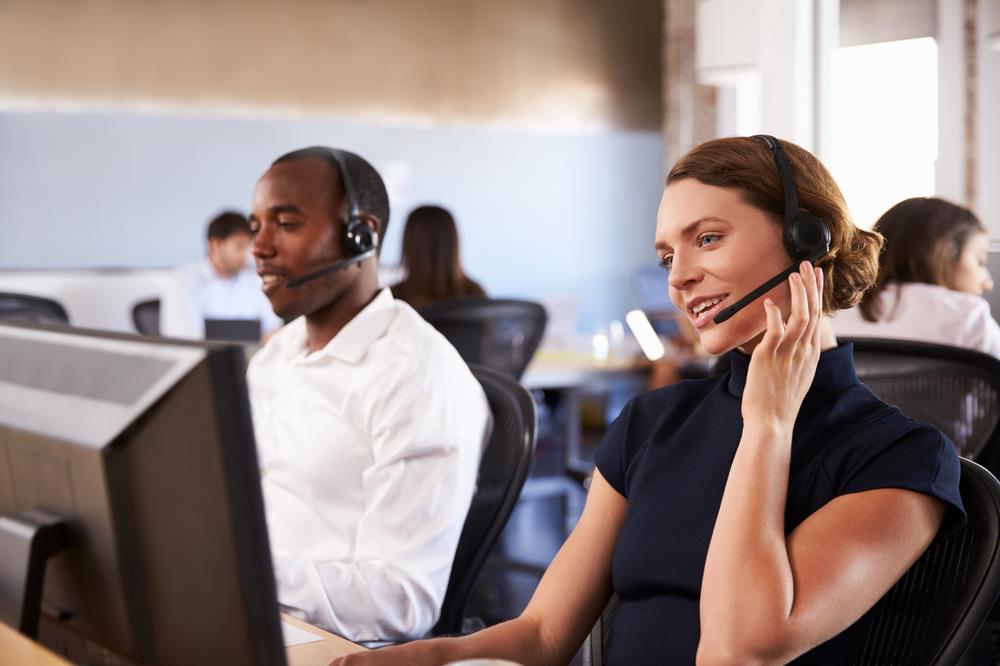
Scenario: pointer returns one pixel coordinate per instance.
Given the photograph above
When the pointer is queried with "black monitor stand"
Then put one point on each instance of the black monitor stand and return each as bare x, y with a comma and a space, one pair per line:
27, 540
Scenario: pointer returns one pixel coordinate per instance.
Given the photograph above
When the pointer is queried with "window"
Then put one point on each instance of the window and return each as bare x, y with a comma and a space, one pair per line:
885, 124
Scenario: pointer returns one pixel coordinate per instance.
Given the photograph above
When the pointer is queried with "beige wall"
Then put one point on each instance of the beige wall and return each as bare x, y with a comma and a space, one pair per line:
565, 64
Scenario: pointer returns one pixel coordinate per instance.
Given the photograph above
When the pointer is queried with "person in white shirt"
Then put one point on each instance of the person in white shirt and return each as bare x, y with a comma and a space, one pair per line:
219, 286
932, 277
369, 424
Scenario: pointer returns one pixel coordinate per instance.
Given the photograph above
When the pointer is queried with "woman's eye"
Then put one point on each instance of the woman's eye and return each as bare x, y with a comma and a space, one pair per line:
706, 239
666, 263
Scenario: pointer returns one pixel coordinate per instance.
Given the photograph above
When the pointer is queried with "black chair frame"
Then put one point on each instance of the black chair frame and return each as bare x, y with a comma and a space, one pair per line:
503, 469
452, 318
25, 307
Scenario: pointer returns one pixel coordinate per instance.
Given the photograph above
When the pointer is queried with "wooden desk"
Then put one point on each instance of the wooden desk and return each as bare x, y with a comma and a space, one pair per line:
16, 649
19, 650
318, 653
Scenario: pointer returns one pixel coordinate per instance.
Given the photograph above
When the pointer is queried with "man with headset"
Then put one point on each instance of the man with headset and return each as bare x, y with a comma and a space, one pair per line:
369, 425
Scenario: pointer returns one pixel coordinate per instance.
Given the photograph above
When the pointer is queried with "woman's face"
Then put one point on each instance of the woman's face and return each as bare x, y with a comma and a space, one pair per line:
970, 273
718, 248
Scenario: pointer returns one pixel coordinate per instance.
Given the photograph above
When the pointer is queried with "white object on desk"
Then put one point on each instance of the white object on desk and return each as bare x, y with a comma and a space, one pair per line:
295, 636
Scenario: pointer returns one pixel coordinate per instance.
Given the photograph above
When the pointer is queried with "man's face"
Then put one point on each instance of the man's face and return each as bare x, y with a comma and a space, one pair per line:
297, 232
229, 255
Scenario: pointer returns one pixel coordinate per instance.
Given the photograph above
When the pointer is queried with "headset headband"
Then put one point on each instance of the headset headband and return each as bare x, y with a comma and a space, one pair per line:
785, 172
345, 177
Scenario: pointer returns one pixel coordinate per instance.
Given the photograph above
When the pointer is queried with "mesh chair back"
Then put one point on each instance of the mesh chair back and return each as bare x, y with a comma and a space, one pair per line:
502, 471
32, 308
956, 390
146, 317
501, 334
933, 613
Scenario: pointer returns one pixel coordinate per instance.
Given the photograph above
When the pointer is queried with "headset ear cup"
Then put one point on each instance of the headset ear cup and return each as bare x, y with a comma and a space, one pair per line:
806, 235
359, 238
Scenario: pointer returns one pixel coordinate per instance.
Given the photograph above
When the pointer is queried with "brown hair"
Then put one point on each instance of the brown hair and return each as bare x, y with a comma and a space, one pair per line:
924, 238
747, 165
430, 256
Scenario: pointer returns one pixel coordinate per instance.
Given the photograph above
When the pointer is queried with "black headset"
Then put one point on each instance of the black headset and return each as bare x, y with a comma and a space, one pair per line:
805, 236
359, 240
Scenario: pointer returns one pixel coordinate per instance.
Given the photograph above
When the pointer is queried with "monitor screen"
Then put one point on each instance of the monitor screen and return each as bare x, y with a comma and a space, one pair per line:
235, 330
145, 449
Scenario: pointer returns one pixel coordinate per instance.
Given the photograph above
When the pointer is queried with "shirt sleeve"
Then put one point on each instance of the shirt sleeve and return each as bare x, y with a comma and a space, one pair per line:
981, 331
909, 455
180, 314
427, 430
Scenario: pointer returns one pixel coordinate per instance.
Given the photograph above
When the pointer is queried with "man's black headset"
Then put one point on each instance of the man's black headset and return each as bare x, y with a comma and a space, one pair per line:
806, 237
359, 240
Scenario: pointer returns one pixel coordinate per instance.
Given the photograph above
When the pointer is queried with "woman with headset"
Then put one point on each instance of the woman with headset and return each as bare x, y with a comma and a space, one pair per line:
757, 516
931, 281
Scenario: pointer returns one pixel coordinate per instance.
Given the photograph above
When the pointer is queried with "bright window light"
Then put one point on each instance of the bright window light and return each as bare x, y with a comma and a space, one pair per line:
643, 331
885, 124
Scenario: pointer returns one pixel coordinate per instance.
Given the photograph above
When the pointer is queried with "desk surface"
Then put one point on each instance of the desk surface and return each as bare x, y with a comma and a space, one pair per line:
15, 648
552, 368
318, 653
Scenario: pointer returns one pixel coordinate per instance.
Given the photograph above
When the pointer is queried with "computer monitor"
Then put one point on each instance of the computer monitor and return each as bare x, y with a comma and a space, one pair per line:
233, 330
144, 448
650, 284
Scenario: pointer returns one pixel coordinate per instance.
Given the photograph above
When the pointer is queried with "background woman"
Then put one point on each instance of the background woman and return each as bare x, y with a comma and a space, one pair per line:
932, 276
431, 259
758, 516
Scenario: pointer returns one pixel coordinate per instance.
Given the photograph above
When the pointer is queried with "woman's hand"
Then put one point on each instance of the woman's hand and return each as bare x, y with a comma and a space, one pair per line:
417, 653
784, 363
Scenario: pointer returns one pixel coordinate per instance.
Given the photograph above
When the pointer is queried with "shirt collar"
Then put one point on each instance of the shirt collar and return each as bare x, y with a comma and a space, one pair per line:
834, 373
353, 341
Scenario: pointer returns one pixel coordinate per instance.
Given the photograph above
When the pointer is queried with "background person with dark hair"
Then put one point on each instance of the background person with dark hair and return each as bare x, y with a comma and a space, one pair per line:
932, 276
431, 259
369, 425
219, 286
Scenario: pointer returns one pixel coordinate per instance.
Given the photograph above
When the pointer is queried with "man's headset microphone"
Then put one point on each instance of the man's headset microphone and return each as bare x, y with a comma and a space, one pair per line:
805, 236
359, 240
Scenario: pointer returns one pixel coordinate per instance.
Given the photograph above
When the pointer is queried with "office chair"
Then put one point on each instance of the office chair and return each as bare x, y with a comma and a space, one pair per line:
933, 613
954, 389
23, 307
146, 316
502, 471
502, 334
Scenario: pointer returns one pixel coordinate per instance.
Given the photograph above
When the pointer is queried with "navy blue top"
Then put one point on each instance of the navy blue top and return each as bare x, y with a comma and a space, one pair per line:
669, 453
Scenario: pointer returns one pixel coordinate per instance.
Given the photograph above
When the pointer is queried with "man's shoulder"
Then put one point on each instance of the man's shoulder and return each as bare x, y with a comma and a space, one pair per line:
411, 340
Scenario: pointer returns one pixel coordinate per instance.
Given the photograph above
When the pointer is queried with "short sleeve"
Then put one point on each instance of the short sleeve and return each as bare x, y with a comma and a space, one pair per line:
610, 455
909, 455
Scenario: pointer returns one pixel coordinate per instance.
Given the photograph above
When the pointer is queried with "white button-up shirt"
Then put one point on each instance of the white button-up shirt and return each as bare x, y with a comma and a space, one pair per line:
928, 313
369, 450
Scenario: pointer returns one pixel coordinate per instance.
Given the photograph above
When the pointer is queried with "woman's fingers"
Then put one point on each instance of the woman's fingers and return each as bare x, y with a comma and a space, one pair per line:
819, 305
798, 318
812, 286
775, 326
